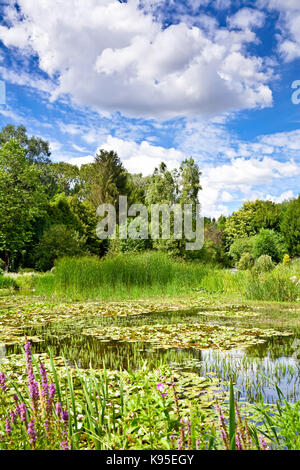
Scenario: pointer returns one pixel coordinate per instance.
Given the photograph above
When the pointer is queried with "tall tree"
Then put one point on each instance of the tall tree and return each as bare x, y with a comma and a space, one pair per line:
22, 199
36, 149
290, 226
189, 182
105, 179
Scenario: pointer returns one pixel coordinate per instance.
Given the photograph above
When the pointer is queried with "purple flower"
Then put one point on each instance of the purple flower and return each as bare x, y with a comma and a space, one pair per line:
32, 432
263, 444
3, 386
65, 416
160, 387
64, 445
44, 380
52, 391
8, 427
58, 409
13, 416
22, 412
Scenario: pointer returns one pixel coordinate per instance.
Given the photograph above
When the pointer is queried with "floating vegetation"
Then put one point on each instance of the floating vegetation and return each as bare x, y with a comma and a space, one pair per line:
181, 335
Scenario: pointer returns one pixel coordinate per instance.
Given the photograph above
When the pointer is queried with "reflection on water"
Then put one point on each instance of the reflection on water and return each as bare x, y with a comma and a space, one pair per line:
255, 370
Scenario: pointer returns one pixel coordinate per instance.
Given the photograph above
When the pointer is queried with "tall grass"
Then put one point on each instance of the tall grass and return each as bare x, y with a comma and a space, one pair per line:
148, 274
156, 274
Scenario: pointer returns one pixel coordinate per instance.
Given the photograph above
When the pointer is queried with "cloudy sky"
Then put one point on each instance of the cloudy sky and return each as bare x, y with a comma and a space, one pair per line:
162, 80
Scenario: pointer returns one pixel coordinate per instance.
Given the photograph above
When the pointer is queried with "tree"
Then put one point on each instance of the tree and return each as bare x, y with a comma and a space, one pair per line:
67, 178
22, 199
36, 149
105, 179
189, 182
56, 242
290, 227
270, 243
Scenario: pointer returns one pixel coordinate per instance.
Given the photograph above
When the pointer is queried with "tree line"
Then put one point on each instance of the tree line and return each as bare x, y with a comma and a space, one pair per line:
48, 210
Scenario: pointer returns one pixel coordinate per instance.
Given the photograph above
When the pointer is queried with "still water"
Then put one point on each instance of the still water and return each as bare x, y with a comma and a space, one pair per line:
256, 370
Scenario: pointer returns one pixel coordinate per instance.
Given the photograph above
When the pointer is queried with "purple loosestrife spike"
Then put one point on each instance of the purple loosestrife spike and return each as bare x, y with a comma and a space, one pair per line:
44, 376
13, 416
179, 442
32, 432
3, 386
64, 445
22, 412
238, 441
263, 444
8, 428
58, 409
65, 416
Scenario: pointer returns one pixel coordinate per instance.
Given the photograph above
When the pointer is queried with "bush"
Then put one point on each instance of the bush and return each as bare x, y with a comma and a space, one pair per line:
241, 246
268, 242
246, 262
56, 242
264, 264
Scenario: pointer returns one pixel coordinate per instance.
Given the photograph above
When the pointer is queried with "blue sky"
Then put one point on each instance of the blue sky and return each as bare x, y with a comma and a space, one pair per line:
162, 80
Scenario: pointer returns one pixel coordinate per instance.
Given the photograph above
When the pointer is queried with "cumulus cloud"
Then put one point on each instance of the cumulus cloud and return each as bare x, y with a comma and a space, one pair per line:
247, 18
289, 25
115, 56
223, 184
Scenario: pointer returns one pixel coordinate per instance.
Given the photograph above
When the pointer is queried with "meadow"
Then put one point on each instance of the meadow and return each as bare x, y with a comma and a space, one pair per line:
115, 346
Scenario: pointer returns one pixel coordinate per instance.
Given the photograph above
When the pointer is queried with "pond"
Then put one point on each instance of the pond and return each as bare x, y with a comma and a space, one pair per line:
256, 369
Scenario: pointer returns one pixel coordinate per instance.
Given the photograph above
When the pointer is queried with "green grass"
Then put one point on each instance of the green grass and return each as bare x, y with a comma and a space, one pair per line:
124, 276
156, 274
8, 283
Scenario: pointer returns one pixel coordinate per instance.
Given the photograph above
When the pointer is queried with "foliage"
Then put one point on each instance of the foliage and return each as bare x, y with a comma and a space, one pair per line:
264, 264
246, 262
35, 149
241, 246
268, 242
290, 227
105, 179
56, 242
22, 199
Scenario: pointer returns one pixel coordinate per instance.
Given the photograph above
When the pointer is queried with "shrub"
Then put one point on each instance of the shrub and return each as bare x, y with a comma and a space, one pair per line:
246, 262
56, 242
264, 264
268, 242
241, 246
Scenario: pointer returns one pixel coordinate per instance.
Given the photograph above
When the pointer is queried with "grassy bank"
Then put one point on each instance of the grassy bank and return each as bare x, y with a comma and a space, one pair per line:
156, 274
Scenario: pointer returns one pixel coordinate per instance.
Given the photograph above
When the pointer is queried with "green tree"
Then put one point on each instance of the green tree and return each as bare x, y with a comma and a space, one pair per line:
67, 178
36, 149
189, 182
105, 179
270, 243
290, 227
22, 199
58, 241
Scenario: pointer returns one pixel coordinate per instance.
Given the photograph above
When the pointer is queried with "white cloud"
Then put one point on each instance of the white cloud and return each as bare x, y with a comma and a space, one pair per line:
289, 24
247, 18
143, 157
113, 56
287, 140
281, 198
